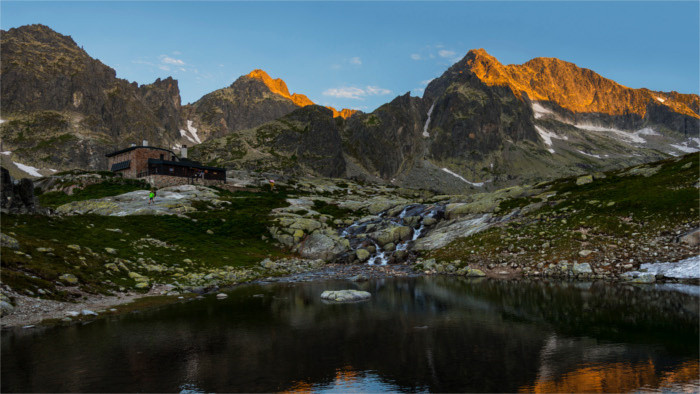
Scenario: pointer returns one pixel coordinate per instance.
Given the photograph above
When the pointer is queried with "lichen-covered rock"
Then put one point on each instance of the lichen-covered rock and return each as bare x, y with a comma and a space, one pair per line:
583, 268
69, 278
474, 272
582, 180
173, 200
8, 242
392, 235
322, 246
362, 255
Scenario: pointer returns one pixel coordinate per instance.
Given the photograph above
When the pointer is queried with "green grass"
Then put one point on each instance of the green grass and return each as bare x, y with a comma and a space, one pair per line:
590, 216
235, 238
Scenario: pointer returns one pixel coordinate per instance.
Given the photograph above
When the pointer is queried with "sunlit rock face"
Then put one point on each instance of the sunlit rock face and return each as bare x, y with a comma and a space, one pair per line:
278, 86
573, 88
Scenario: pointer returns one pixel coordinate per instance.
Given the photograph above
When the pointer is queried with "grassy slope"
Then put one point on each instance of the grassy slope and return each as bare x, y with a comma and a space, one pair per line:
617, 217
237, 241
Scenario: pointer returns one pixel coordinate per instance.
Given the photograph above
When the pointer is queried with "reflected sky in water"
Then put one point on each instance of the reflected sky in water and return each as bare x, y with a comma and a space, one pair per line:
415, 334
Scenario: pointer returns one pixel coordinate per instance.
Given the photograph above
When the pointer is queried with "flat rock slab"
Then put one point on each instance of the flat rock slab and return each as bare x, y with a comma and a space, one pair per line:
345, 295
173, 200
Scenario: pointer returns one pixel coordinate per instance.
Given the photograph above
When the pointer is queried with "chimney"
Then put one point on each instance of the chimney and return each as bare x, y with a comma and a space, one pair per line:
145, 142
183, 152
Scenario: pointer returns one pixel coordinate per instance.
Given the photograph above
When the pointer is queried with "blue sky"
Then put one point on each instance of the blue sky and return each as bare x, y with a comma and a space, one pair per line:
363, 54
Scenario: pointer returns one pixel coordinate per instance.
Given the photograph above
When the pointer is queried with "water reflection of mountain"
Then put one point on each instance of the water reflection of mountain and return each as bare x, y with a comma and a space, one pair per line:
439, 334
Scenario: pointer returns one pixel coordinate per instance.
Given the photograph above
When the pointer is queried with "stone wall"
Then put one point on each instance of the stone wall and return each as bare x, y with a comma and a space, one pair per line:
159, 181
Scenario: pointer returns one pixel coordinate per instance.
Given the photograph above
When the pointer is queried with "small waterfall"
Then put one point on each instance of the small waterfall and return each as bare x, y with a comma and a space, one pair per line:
359, 233
427, 122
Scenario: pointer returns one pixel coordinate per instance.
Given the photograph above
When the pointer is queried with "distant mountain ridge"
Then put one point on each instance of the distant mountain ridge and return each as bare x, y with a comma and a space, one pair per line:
478, 126
575, 89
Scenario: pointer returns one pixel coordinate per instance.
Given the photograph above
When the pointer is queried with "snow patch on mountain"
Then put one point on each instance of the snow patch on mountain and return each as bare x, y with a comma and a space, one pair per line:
688, 268
427, 122
547, 137
33, 171
191, 133
540, 111
621, 134
589, 154
477, 184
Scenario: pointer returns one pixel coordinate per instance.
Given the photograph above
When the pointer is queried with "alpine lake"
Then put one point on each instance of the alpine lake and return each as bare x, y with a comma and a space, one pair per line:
420, 333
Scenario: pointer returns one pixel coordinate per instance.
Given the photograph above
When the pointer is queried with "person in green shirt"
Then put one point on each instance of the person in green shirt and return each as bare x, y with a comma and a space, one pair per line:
151, 196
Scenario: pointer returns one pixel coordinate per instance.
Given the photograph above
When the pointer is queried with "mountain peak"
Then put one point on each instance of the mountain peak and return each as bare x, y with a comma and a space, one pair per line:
275, 85
278, 86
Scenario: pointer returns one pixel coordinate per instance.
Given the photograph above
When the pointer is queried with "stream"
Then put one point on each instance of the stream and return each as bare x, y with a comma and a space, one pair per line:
438, 334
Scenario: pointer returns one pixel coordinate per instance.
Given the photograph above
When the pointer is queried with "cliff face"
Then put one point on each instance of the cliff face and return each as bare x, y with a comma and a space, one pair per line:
304, 142
480, 125
583, 94
53, 92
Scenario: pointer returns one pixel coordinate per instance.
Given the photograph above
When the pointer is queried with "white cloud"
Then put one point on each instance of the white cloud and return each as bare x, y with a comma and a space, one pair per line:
446, 54
176, 53
356, 60
169, 60
335, 67
356, 93
377, 91
345, 92
425, 82
417, 91
415, 56
164, 67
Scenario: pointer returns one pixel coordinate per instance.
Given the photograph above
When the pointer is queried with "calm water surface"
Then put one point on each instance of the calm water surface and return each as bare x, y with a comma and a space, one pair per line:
416, 334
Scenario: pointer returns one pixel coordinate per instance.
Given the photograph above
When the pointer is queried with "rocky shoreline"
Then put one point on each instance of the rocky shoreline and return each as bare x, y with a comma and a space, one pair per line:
29, 312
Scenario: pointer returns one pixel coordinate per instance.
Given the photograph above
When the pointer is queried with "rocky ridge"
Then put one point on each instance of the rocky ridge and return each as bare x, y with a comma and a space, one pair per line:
480, 126
82, 111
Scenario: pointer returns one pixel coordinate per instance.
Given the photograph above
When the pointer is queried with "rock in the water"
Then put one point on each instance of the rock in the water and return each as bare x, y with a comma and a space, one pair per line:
345, 295
392, 235
362, 254
221, 296
639, 277
111, 250
87, 312
475, 272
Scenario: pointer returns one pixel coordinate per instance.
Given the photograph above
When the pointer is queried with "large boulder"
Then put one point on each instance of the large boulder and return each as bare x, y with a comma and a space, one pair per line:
392, 235
16, 196
8, 242
321, 246
459, 229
